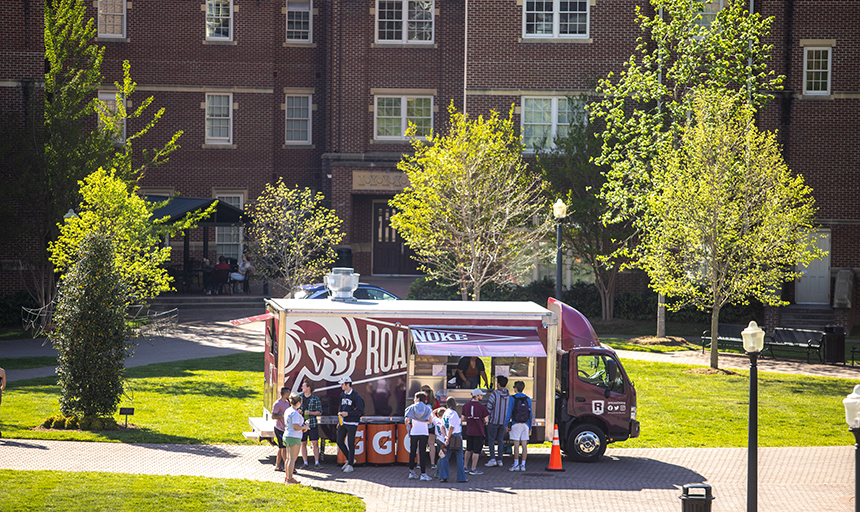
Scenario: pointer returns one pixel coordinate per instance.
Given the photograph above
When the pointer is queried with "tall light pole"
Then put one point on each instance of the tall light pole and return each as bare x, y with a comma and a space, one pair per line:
753, 345
852, 417
559, 211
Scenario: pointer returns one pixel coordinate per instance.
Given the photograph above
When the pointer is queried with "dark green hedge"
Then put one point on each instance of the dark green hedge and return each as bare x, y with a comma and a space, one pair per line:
10, 308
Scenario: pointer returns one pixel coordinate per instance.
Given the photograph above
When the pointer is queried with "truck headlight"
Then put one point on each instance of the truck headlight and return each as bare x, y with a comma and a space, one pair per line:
633, 413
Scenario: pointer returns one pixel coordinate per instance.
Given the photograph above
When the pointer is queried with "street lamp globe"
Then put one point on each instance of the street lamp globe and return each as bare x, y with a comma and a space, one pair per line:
852, 408
559, 209
753, 338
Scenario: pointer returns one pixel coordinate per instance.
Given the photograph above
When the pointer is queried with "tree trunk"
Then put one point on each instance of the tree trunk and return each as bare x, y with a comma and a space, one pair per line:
606, 287
715, 324
661, 316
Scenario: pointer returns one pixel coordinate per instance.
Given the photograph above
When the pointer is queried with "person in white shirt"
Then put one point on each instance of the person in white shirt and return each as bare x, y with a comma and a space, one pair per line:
453, 442
418, 418
295, 423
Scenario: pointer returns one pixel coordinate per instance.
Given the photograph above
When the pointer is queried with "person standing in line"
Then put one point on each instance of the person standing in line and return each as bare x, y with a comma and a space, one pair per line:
418, 419
311, 409
296, 426
519, 420
476, 415
279, 409
431, 400
497, 406
440, 431
350, 412
453, 443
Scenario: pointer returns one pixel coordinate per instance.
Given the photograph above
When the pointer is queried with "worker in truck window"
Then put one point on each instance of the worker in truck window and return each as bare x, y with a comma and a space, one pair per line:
519, 421
350, 412
497, 406
311, 409
470, 371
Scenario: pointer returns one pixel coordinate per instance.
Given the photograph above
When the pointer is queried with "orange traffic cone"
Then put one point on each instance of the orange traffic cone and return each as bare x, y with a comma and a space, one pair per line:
555, 456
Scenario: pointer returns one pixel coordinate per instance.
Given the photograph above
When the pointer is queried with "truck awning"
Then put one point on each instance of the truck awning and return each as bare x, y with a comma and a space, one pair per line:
480, 342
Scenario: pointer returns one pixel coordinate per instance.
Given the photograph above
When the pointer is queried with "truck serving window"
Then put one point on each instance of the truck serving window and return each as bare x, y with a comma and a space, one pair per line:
599, 371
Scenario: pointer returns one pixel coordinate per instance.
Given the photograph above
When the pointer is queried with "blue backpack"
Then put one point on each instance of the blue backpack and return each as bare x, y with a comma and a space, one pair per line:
522, 413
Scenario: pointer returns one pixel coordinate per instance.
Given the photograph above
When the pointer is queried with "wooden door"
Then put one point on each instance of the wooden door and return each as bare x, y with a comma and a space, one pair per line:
390, 254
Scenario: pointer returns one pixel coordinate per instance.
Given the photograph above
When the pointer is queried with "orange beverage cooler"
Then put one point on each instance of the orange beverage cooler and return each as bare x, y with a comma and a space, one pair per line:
380, 444
402, 444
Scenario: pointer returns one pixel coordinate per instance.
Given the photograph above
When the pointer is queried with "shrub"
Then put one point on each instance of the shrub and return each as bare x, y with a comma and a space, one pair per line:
97, 424
48, 422
85, 423
91, 334
10, 308
59, 422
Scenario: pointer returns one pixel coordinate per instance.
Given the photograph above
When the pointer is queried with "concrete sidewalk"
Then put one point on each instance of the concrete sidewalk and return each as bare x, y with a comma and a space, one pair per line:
626, 480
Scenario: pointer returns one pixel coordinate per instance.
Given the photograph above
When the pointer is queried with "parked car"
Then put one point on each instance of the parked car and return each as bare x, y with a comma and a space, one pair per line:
364, 292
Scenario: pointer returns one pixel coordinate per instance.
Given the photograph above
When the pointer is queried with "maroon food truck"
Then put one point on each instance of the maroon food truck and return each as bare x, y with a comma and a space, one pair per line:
390, 349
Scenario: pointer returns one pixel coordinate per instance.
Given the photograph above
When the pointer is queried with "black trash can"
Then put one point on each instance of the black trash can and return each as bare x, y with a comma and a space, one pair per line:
833, 343
699, 500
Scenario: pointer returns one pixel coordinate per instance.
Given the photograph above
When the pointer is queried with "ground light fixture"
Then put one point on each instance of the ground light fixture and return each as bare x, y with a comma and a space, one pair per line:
559, 211
753, 345
852, 417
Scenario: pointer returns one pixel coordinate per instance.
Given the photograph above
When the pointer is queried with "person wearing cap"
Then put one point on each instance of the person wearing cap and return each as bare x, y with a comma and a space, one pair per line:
350, 411
476, 415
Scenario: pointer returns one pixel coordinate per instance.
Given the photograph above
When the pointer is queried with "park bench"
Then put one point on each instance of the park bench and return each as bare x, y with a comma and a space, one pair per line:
797, 339
728, 336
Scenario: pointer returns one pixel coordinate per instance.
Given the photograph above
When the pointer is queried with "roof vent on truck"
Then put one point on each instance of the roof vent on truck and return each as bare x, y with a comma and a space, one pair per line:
341, 283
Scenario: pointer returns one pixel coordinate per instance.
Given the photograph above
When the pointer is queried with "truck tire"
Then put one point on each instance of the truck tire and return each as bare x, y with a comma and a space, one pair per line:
586, 443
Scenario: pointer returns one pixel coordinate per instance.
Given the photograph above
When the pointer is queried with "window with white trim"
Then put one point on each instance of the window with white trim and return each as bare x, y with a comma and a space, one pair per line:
404, 21
710, 9
219, 20
816, 70
555, 18
228, 239
300, 21
112, 18
394, 114
298, 119
110, 113
219, 119
545, 119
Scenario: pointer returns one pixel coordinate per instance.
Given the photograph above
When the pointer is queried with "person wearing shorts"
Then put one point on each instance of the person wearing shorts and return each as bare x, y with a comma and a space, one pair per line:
296, 426
311, 409
278, 410
518, 421
476, 416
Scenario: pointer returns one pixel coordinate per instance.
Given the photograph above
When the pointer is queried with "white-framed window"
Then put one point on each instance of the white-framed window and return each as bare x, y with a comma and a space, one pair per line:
110, 112
816, 70
298, 119
228, 239
300, 21
555, 18
112, 18
404, 21
545, 119
219, 20
393, 114
710, 9
219, 118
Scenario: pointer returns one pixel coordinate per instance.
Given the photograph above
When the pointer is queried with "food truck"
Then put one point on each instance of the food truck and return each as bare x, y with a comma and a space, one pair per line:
390, 349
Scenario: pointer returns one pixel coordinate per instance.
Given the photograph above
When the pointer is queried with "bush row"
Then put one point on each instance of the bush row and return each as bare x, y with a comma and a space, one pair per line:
10, 308
585, 298
61, 422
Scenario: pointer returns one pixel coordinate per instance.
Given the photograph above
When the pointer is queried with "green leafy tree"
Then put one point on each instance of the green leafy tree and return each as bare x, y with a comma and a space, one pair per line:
112, 207
91, 336
470, 208
571, 174
291, 236
726, 219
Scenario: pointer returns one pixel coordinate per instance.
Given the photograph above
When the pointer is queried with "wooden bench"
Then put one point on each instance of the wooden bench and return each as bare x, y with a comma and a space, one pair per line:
728, 335
798, 339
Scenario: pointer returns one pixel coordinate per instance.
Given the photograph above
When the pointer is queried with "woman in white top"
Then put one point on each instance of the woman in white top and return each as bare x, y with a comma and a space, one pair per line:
454, 436
418, 419
296, 426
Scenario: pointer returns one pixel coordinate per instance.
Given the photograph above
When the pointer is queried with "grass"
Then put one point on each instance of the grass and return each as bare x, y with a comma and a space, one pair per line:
198, 401
26, 363
52, 490
623, 344
14, 333
208, 401
693, 410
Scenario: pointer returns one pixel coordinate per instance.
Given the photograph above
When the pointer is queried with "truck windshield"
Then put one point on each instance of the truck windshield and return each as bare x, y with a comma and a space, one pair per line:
600, 371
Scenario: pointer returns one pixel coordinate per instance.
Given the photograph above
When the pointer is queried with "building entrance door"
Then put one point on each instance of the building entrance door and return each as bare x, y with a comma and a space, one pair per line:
390, 254
813, 287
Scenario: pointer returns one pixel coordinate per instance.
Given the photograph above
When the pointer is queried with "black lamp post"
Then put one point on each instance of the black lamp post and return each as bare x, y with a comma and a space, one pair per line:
852, 417
559, 211
753, 345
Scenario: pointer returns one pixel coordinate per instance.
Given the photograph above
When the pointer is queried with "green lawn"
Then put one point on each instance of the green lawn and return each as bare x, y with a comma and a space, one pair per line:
26, 363
70, 492
209, 401
623, 344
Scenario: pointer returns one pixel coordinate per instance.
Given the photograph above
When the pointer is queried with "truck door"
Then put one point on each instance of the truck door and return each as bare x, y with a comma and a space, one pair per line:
598, 389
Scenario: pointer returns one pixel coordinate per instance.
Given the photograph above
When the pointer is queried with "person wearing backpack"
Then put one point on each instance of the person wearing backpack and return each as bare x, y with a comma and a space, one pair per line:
519, 424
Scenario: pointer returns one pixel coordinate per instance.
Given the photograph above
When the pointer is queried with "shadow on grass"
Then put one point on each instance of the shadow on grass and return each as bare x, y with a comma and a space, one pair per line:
196, 387
245, 362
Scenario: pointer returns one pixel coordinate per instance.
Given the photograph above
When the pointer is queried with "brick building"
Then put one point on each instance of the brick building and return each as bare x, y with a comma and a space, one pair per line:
319, 93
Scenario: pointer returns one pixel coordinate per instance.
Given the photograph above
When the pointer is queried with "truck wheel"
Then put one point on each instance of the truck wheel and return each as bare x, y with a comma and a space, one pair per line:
586, 443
